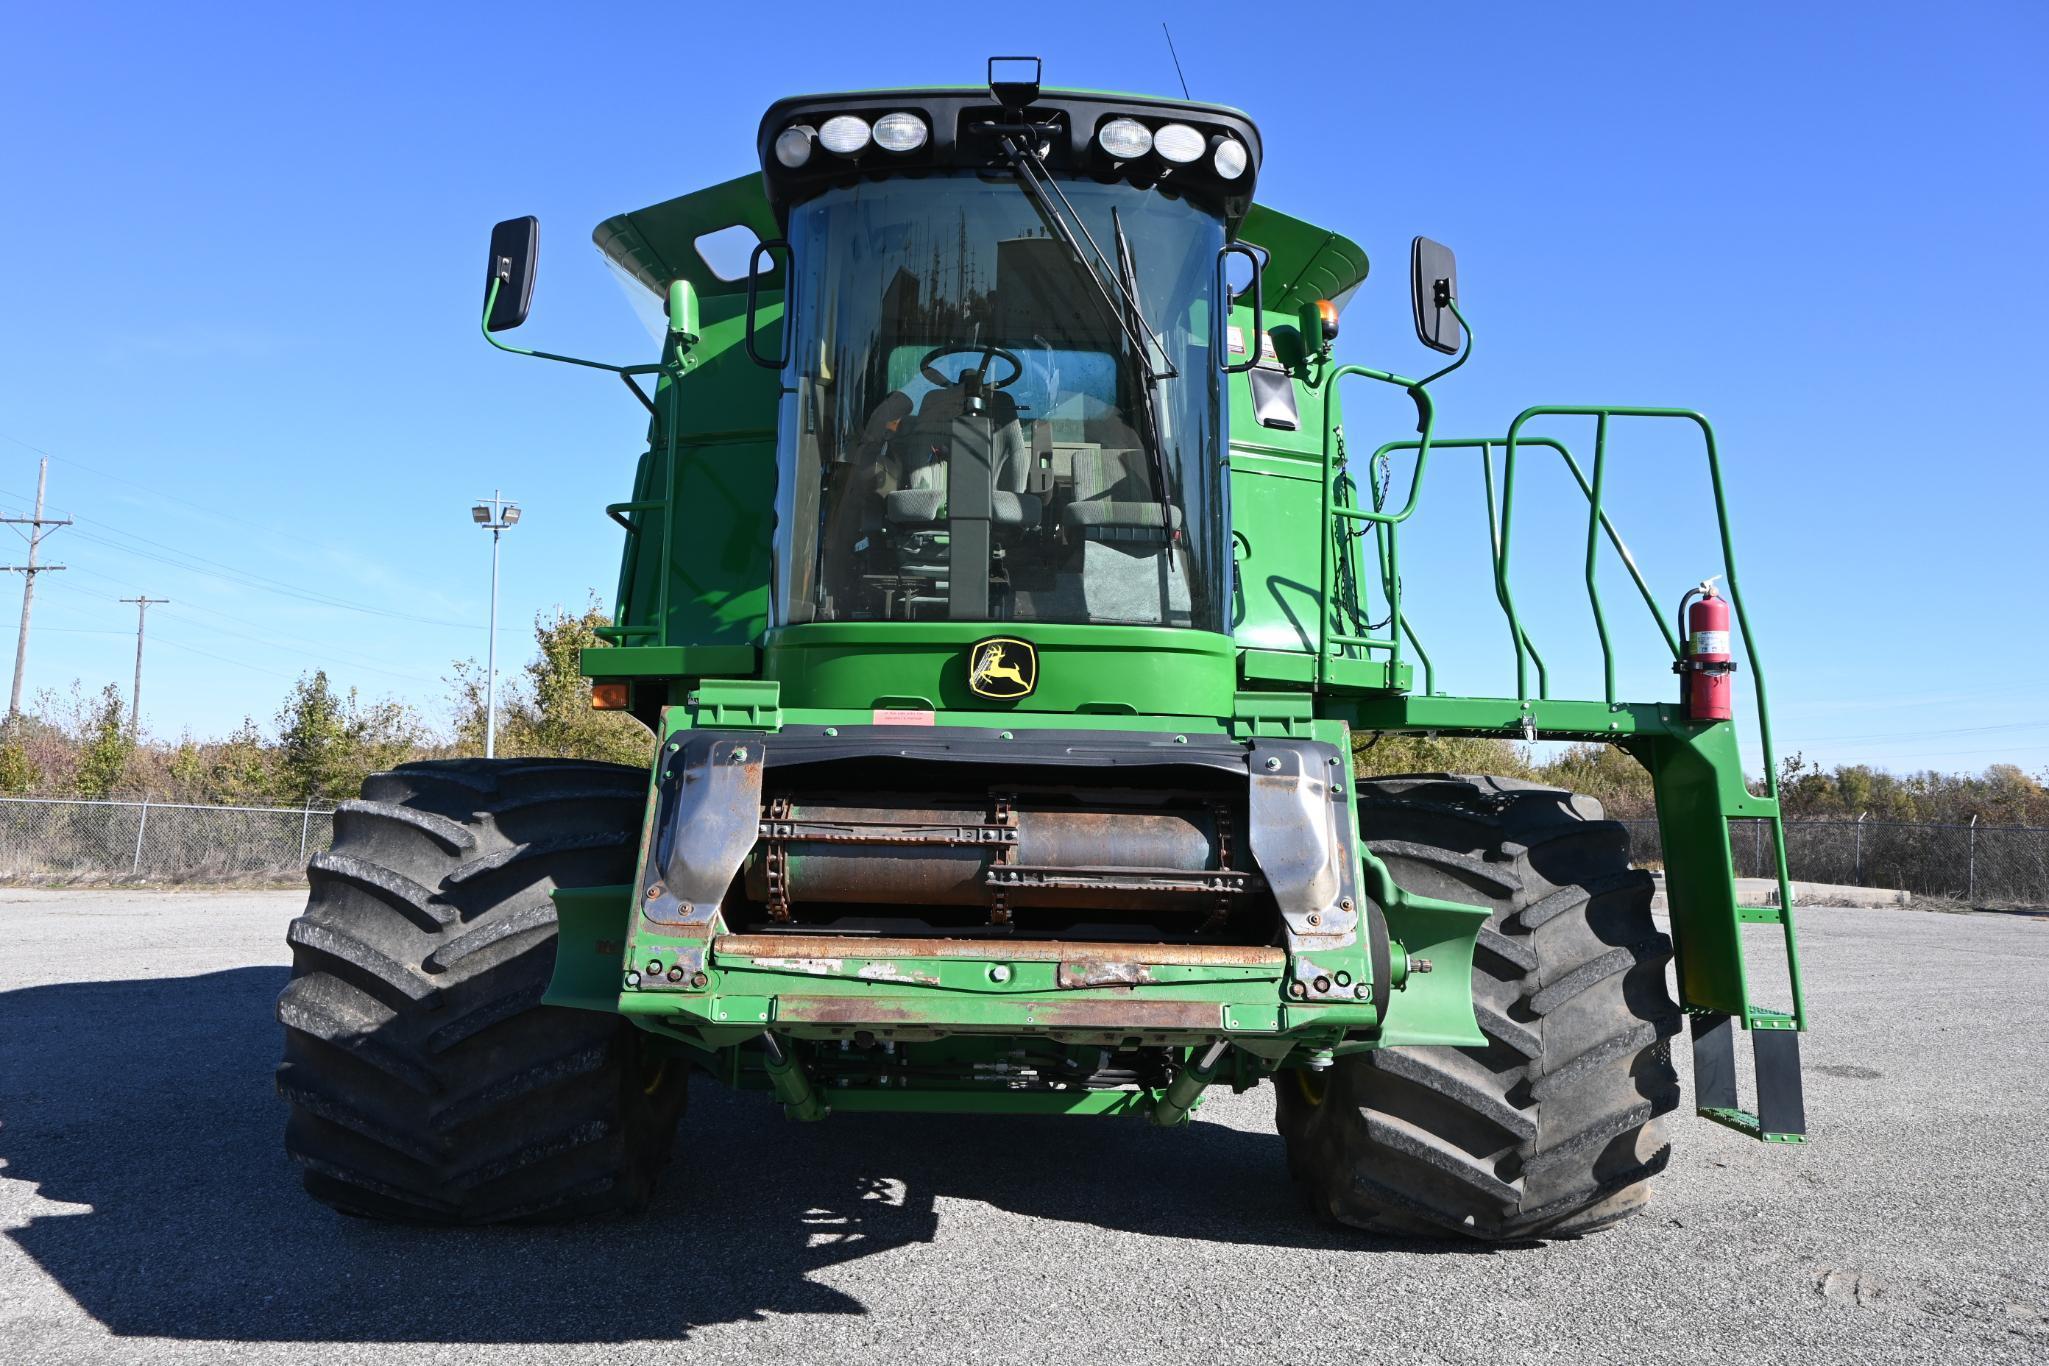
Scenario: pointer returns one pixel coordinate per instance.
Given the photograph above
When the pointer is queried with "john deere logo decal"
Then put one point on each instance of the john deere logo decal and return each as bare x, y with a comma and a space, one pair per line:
1003, 668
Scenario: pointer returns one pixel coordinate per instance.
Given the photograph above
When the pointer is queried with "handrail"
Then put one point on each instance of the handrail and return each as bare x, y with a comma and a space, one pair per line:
620, 634
1599, 523
1601, 415
1516, 634
1729, 573
614, 511
1332, 514
1387, 524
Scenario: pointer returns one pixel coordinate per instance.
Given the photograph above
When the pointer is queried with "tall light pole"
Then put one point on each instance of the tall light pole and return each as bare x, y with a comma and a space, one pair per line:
494, 514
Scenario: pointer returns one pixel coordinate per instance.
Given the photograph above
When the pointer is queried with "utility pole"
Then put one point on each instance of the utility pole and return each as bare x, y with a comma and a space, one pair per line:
142, 606
28, 571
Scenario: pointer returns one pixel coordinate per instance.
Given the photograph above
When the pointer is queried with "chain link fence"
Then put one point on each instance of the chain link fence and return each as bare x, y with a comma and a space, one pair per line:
2004, 865
53, 839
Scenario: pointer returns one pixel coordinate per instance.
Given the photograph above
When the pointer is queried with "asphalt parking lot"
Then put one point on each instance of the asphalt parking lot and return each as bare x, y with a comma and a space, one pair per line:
148, 1215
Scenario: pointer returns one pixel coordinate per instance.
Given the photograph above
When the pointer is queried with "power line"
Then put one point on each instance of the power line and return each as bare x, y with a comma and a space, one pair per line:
198, 564
184, 559
318, 653
223, 659
138, 484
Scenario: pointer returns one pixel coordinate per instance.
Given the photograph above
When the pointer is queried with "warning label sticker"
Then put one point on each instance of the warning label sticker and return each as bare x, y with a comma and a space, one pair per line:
1235, 338
1711, 642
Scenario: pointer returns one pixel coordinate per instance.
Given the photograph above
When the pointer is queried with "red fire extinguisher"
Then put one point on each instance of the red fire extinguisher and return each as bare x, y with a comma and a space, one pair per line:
1705, 664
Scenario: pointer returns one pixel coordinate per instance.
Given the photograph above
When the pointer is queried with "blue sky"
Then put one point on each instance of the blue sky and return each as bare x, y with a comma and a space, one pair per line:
238, 293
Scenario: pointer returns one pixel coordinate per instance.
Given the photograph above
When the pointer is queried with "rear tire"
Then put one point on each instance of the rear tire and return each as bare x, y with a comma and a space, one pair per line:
425, 1079
1552, 1130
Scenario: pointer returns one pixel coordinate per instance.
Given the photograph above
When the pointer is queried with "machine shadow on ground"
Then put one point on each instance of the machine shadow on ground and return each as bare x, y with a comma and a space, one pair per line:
147, 1107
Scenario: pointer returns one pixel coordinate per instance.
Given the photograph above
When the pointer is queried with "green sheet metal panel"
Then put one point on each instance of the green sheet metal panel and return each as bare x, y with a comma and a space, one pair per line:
657, 244
724, 487
1305, 263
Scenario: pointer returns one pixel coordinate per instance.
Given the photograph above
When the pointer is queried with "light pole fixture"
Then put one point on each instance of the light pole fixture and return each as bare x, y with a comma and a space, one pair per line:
494, 514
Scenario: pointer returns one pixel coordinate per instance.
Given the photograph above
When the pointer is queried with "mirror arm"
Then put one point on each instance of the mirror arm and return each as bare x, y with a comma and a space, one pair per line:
624, 372
1465, 352
1417, 388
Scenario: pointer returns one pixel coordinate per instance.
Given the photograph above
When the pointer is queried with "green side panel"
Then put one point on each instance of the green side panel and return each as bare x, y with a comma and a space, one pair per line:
1434, 1007
1277, 532
1698, 778
1275, 513
724, 488
590, 947
668, 661
1102, 670
1277, 668
1304, 262
658, 244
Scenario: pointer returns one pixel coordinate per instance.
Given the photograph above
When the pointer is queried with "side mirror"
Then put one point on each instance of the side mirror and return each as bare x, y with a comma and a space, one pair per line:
515, 251
1433, 284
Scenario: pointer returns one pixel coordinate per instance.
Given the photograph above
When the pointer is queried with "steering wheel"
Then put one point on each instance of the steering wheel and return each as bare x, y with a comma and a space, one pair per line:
988, 354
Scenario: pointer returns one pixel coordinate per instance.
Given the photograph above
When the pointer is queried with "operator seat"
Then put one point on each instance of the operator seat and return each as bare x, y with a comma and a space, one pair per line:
1114, 498
1134, 567
921, 449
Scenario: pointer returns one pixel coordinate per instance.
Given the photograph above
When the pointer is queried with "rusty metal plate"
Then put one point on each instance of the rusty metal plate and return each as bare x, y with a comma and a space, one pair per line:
995, 950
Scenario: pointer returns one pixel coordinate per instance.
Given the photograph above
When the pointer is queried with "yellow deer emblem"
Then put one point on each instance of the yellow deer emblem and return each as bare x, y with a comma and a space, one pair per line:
1003, 668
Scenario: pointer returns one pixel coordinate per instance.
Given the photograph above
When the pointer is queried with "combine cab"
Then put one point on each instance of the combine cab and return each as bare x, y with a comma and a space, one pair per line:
1005, 612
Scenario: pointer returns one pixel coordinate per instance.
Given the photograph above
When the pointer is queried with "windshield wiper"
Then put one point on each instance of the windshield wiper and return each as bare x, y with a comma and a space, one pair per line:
1127, 281
1020, 148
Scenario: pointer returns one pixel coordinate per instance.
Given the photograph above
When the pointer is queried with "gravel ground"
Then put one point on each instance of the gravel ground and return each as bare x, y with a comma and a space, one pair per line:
149, 1215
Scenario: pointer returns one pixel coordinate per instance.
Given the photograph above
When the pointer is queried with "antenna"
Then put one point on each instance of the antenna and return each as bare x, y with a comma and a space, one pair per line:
1177, 59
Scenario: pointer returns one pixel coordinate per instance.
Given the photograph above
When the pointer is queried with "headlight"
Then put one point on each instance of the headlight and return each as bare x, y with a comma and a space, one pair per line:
1125, 139
844, 134
1179, 143
1230, 158
899, 132
793, 146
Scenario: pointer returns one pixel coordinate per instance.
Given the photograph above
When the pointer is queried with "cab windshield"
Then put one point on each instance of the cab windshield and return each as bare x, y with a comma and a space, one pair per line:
974, 428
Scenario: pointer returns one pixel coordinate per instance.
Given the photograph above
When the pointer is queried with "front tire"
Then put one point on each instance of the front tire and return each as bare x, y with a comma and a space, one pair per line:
1553, 1128
426, 1081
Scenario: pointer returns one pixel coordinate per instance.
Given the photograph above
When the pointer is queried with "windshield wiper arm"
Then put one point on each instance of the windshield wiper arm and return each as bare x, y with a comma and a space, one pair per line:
1037, 181
1127, 280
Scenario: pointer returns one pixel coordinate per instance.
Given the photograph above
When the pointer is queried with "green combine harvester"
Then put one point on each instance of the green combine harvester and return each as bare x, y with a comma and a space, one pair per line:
1006, 611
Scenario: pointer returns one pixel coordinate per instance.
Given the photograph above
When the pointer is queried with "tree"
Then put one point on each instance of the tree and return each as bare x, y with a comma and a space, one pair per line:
546, 709
1390, 754
562, 721
241, 770
1620, 783
105, 747
17, 773
328, 743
